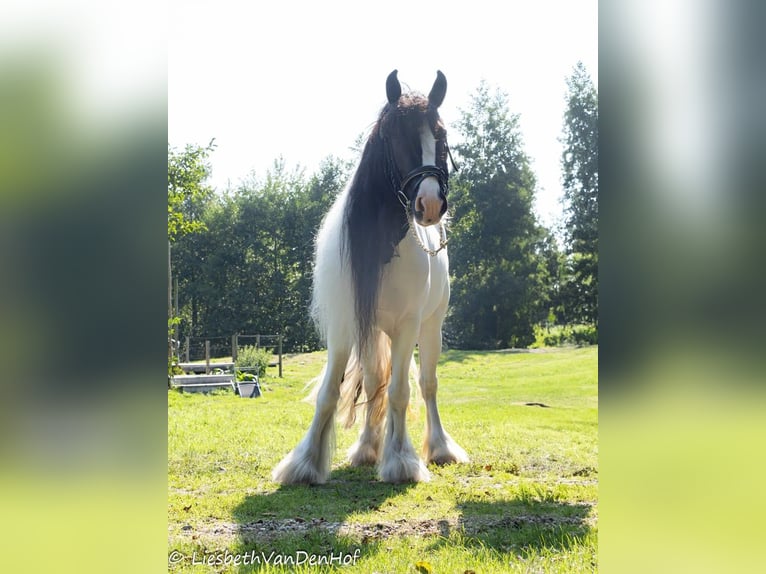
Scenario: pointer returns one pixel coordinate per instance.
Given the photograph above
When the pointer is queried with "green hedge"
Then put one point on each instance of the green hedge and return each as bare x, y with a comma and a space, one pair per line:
253, 359
558, 335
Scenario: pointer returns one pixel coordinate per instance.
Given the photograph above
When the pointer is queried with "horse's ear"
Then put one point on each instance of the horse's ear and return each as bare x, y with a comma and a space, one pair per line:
436, 97
393, 88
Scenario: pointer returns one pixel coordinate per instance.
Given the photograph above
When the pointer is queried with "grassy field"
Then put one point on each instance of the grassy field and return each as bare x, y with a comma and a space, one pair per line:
527, 502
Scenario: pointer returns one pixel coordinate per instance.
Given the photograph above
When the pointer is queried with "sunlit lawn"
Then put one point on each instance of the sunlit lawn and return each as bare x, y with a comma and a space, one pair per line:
526, 502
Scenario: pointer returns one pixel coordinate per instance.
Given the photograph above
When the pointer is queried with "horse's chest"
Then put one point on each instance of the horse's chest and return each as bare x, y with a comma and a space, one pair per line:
413, 282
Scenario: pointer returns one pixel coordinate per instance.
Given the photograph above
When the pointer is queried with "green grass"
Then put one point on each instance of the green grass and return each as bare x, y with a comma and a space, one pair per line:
527, 502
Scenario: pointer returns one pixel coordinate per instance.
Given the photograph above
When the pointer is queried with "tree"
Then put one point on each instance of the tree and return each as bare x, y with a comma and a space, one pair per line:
579, 167
498, 262
187, 194
312, 205
249, 270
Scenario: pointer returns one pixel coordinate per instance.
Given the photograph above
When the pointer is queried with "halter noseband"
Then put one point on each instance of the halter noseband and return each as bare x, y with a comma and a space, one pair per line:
413, 180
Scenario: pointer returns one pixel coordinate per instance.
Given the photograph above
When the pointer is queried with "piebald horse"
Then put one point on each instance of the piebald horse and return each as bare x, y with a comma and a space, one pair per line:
381, 285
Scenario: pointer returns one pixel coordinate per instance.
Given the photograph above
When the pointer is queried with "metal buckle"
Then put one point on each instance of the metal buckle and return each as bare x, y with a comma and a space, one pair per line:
403, 199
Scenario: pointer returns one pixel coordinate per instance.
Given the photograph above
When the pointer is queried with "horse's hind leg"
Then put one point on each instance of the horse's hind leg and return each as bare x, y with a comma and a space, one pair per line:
438, 446
309, 462
377, 372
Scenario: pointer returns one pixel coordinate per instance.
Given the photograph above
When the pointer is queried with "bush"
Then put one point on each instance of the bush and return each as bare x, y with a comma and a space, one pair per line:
585, 334
559, 335
175, 370
253, 360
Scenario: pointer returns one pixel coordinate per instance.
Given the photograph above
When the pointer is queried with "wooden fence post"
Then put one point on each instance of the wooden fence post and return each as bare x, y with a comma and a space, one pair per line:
187, 349
280, 356
207, 357
234, 348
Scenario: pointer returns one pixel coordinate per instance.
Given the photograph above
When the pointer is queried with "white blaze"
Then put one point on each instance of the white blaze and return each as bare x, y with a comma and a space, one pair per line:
428, 199
428, 145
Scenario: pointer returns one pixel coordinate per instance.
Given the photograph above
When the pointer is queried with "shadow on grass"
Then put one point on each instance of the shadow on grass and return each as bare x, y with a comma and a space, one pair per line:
456, 356
297, 522
520, 526
302, 521
462, 357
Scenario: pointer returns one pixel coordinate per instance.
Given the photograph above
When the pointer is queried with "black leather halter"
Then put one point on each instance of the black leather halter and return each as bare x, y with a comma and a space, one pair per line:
411, 182
405, 188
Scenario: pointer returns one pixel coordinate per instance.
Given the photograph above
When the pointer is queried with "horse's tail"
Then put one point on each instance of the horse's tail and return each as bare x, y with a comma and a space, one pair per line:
355, 392
351, 391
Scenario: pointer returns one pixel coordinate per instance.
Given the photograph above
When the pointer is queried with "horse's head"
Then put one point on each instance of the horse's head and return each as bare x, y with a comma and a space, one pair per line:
415, 141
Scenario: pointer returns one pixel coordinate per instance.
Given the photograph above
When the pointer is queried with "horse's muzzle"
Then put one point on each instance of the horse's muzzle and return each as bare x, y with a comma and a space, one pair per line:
427, 185
429, 209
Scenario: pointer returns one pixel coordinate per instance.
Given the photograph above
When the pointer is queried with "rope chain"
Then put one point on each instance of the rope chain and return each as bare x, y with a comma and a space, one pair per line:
442, 240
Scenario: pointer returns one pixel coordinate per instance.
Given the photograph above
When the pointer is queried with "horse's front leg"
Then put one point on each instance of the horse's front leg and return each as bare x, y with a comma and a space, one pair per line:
438, 446
309, 462
377, 368
399, 462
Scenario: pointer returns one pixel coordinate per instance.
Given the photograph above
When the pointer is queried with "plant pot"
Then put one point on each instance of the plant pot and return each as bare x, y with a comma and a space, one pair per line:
249, 389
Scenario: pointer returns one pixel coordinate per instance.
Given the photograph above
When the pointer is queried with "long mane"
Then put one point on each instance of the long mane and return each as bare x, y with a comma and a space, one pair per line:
375, 222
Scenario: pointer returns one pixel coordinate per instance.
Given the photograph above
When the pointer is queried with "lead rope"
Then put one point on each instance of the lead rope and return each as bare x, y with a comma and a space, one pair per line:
411, 223
442, 241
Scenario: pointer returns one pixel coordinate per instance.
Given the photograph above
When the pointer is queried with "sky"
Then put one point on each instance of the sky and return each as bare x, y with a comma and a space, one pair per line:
302, 80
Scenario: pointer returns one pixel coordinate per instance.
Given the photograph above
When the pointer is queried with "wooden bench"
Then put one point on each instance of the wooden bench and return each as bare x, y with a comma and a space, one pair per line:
202, 367
202, 383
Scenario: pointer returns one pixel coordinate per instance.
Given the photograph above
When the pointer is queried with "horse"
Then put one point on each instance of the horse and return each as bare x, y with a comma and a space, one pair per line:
381, 286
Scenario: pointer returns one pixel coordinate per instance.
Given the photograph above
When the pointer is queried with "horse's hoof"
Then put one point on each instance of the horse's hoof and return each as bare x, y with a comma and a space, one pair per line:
401, 469
447, 452
298, 470
362, 454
